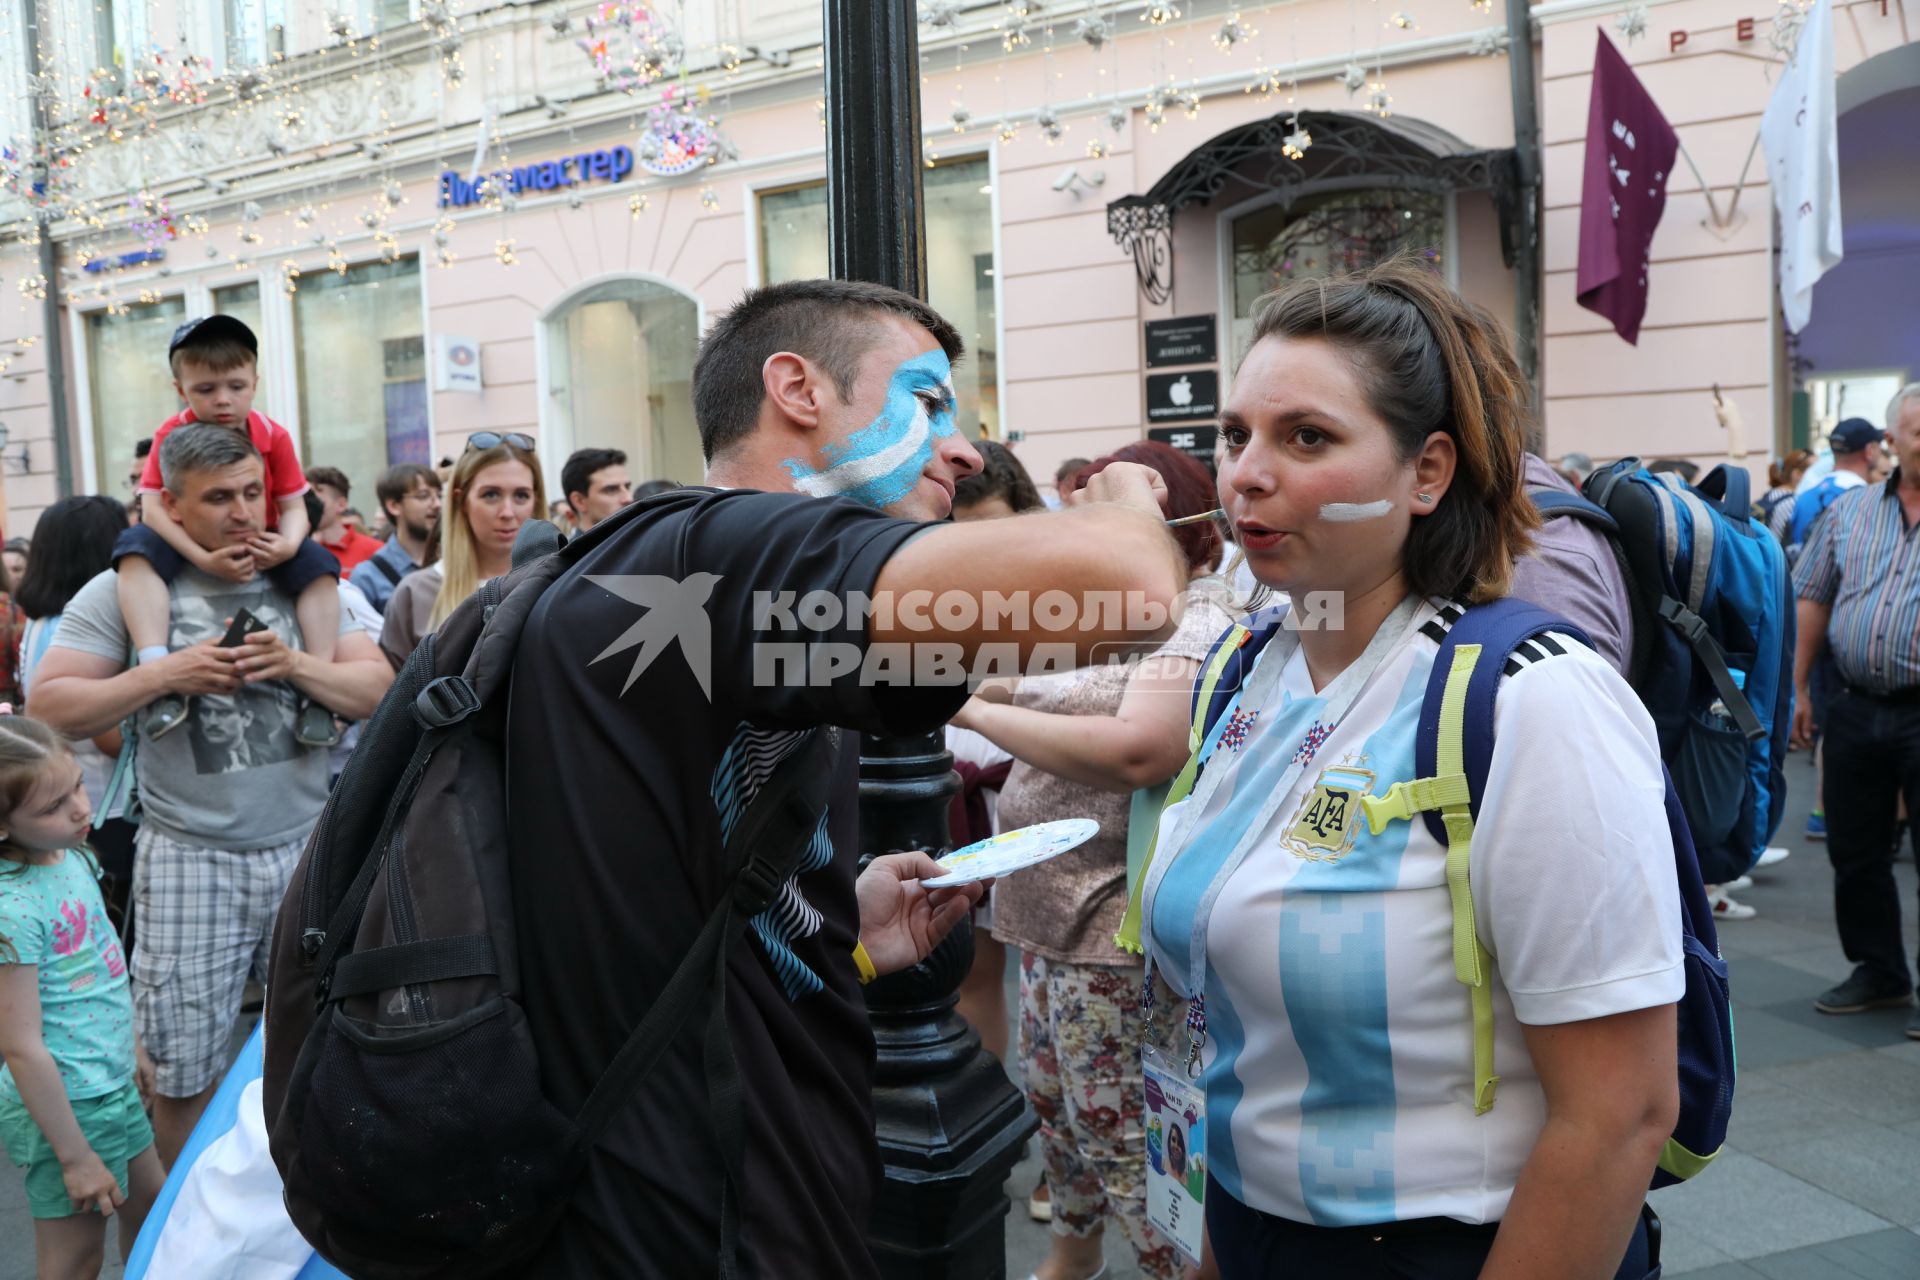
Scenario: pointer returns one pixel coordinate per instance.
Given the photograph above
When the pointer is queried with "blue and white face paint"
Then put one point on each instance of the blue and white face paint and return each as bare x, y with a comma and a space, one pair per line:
879, 464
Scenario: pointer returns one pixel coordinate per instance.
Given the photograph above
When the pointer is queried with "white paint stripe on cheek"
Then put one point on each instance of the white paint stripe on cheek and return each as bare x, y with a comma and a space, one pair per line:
1350, 512
855, 472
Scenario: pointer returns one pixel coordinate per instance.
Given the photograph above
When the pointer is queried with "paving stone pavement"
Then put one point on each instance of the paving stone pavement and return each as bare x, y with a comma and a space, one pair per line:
1822, 1177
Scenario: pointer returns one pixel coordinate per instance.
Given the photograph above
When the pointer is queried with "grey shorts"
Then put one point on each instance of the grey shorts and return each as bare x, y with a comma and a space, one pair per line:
206, 920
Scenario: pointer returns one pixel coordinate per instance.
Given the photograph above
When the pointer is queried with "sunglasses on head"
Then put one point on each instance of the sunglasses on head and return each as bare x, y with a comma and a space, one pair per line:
494, 439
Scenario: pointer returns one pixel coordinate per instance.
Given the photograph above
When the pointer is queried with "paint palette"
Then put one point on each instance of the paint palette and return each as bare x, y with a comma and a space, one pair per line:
1012, 851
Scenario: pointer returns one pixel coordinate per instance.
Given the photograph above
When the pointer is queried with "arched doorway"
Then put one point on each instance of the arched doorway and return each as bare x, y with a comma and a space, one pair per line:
618, 374
1311, 193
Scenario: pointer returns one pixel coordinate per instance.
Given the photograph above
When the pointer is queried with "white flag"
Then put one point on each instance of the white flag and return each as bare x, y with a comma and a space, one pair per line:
1803, 163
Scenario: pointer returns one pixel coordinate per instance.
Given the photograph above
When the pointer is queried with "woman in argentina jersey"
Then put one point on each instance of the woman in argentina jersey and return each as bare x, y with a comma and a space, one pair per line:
1371, 463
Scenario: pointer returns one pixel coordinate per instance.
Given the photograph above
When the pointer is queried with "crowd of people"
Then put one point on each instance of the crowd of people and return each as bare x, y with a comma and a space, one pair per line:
181, 681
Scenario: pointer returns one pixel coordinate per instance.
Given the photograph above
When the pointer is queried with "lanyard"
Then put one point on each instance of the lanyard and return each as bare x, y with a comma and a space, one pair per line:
1339, 697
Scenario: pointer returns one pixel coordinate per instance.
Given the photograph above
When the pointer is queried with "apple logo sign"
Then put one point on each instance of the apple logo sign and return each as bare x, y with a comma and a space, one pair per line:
1181, 392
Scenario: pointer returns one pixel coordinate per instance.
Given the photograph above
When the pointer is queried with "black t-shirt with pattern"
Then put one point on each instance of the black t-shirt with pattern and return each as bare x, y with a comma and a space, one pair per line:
623, 776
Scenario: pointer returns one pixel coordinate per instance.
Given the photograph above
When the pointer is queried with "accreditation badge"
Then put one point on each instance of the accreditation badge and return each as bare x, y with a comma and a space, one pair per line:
1176, 1120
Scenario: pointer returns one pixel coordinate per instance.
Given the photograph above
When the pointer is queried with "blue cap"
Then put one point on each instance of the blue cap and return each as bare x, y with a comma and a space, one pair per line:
1855, 434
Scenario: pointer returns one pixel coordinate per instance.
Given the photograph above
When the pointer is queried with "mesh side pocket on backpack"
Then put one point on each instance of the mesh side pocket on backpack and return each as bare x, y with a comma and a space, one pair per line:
439, 1141
1710, 773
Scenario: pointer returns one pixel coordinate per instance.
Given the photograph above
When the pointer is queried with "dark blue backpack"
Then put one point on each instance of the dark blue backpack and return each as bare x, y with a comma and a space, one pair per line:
1480, 644
1713, 647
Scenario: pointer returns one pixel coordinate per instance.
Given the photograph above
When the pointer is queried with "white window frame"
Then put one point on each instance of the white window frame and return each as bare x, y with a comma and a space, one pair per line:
82, 390
1223, 252
753, 192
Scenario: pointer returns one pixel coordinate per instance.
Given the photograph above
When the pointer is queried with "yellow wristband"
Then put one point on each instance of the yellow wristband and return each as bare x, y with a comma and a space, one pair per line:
864, 963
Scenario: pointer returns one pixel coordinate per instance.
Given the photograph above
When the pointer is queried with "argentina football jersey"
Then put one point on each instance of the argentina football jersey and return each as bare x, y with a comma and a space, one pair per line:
1339, 1054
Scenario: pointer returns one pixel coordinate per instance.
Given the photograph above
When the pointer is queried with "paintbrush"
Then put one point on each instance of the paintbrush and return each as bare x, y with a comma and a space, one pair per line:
1215, 514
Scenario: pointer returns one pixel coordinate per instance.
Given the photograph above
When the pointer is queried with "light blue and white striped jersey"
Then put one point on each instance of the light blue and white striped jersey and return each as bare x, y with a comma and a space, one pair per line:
1339, 1056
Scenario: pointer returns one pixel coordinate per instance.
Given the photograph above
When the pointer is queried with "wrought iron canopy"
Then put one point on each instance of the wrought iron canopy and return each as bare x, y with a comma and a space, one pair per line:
1348, 149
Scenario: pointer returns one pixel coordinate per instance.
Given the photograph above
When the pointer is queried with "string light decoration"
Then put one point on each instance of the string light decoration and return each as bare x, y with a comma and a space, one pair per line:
1160, 14
1094, 29
1294, 145
631, 46
1234, 31
678, 138
941, 15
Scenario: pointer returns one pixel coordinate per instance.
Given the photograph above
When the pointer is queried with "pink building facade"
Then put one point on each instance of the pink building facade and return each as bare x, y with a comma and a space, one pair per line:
397, 315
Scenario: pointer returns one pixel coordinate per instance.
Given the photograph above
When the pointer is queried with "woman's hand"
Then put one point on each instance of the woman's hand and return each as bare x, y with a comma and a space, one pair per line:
968, 716
901, 920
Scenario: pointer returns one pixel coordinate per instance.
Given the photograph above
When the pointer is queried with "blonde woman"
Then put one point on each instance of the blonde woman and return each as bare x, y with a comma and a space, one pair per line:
496, 488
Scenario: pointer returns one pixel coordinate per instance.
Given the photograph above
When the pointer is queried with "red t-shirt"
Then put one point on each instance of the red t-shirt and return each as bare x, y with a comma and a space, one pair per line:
284, 477
352, 549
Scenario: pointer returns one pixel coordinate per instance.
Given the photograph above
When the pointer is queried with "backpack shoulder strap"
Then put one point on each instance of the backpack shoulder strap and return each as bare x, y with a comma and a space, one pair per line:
1226, 669
386, 570
1554, 504
1453, 750
768, 845
1731, 490
1222, 673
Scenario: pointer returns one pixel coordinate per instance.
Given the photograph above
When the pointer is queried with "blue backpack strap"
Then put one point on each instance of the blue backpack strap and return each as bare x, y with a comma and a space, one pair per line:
1498, 628
1222, 672
1260, 628
1555, 504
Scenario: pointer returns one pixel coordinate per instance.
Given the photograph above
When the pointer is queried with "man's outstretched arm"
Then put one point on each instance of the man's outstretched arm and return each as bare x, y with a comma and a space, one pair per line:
1112, 547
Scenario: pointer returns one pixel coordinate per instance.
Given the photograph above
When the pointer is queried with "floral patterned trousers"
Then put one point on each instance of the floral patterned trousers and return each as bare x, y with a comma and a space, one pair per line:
1080, 1028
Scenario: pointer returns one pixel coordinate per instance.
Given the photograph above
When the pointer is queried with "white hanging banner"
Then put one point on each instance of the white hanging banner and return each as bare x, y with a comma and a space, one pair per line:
1801, 135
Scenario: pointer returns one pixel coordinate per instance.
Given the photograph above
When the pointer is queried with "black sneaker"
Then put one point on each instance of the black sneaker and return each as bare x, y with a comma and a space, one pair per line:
1913, 1026
1861, 992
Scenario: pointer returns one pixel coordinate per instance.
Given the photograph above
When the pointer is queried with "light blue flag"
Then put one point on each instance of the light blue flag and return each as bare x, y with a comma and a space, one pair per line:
220, 1215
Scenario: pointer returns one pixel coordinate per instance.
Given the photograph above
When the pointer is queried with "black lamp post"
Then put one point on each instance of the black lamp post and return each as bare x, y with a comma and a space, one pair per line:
949, 1122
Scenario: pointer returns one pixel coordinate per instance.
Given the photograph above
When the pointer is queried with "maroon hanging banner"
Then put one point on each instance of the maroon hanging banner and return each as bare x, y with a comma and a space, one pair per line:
1630, 152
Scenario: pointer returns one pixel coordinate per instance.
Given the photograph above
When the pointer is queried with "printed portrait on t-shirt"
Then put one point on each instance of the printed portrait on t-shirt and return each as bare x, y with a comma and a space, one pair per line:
231, 733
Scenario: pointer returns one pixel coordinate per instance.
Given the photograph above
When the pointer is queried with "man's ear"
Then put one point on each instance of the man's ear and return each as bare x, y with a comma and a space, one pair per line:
794, 386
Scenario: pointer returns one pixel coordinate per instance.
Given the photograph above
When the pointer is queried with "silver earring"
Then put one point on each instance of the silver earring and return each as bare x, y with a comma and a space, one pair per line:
1426, 498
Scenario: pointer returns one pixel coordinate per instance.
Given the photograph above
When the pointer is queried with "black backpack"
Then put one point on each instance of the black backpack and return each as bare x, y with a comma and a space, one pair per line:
402, 1083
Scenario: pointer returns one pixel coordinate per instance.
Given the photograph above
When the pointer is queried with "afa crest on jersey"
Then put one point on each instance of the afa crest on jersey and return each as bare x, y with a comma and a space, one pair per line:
1329, 818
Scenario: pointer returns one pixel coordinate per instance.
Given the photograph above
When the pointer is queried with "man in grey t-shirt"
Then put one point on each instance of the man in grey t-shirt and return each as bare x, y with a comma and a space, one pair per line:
1571, 571
227, 804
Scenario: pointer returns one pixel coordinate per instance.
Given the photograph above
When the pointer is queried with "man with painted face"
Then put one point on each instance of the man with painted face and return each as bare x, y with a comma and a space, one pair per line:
652, 698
